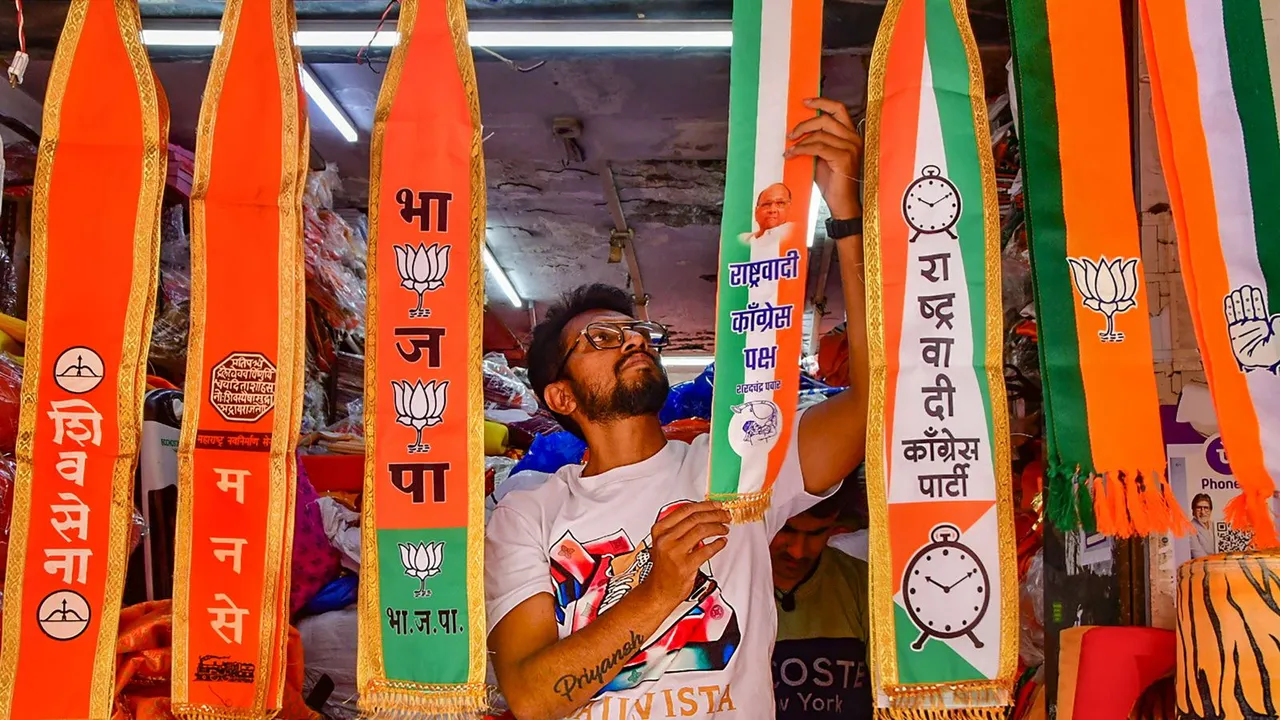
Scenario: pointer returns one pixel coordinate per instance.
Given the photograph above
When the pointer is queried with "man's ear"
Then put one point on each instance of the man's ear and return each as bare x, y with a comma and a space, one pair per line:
560, 398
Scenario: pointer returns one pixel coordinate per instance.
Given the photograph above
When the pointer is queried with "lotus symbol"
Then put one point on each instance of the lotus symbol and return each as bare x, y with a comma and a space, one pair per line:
421, 560
419, 406
1107, 287
422, 270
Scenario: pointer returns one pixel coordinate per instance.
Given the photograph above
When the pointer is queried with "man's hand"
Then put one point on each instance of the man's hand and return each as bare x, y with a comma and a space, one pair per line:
680, 547
1255, 334
832, 138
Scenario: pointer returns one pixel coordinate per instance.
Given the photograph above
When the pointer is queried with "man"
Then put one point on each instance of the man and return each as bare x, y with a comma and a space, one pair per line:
613, 590
1204, 541
820, 660
773, 209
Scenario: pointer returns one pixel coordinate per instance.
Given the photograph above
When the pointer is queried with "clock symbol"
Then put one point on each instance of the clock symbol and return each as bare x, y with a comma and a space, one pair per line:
931, 204
946, 588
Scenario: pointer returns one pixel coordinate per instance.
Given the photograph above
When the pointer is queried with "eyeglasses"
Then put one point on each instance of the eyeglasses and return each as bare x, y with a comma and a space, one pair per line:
613, 335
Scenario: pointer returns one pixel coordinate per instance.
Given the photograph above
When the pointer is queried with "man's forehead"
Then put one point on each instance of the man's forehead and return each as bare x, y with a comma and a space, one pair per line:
774, 193
579, 322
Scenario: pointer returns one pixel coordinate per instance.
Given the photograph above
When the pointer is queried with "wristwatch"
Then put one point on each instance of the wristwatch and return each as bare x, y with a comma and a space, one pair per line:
837, 229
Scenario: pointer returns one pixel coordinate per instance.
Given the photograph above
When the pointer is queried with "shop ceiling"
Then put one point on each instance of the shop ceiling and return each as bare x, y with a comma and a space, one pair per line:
657, 119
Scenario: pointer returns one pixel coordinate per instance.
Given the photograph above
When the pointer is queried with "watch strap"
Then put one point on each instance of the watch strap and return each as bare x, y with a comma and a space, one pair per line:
837, 229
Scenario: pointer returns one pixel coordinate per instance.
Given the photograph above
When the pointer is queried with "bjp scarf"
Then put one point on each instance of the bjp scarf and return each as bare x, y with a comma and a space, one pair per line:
944, 593
760, 297
1102, 412
1213, 65
94, 252
236, 474
422, 627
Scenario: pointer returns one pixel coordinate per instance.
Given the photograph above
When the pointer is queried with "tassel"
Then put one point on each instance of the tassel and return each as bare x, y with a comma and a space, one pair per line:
1138, 500
1249, 512
746, 507
1061, 504
1084, 507
1105, 523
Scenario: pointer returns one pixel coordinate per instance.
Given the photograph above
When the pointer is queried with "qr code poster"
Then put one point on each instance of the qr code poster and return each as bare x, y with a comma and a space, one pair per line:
1201, 478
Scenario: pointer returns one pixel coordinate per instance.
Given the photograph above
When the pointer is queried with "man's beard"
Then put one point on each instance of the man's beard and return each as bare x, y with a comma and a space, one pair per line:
644, 395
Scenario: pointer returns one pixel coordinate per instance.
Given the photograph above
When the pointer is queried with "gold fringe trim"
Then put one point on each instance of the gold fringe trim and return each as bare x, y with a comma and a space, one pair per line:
212, 712
393, 700
744, 507
981, 700
977, 713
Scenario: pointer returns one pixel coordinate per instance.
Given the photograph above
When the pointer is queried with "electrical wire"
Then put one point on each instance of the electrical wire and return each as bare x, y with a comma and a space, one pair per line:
22, 27
362, 55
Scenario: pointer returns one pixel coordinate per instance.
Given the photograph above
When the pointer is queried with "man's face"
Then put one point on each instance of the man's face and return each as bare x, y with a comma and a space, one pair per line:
1202, 510
612, 384
796, 547
772, 207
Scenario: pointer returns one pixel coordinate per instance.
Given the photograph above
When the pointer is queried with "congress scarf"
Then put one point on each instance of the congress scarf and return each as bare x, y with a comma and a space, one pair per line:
944, 592
760, 296
1212, 65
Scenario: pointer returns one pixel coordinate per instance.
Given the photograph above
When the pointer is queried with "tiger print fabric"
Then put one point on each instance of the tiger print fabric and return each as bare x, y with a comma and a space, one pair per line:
1228, 637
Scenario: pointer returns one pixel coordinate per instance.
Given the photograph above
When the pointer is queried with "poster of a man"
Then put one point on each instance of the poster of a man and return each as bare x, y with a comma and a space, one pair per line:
773, 212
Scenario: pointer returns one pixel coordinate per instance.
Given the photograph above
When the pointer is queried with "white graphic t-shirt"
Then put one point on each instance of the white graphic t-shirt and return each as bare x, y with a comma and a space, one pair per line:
585, 541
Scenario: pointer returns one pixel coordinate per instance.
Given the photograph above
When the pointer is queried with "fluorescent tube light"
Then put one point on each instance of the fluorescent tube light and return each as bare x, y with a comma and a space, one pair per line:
500, 276
687, 361
551, 35
181, 38
328, 105
601, 39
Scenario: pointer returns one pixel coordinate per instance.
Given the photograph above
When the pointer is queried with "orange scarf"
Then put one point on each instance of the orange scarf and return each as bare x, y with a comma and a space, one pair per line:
94, 249
244, 373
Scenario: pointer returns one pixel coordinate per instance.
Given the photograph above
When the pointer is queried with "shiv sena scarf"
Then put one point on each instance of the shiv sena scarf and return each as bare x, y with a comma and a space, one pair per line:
236, 474
760, 297
422, 626
94, 252
944, 592
1214, 67
1102, 412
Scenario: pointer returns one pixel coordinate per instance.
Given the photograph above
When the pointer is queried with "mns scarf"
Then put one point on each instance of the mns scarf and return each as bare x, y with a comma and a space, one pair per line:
94, 250
1214, 66
1101, 406
944, 593
760, 297
236, 474
422, 627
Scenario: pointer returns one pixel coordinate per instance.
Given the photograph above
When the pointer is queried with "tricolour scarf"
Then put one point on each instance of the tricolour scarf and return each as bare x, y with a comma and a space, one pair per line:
422, 626
94, 250
760, 297
944, 592
1212, 64
242, 409
1102, 412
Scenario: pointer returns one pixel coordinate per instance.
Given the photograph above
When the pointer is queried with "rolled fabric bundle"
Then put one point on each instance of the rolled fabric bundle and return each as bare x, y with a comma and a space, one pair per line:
1228, 636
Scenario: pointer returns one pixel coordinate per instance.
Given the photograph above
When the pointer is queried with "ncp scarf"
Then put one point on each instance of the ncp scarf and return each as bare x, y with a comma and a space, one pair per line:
94, 249
1102, 412
236, 474
422, 627
760, 297
1212, 64
944, 592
